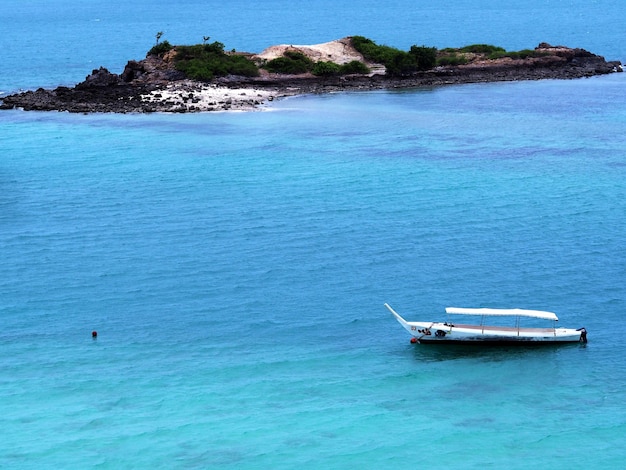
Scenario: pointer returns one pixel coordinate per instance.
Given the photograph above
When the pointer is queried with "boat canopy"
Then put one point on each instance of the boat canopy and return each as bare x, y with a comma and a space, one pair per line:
517, 312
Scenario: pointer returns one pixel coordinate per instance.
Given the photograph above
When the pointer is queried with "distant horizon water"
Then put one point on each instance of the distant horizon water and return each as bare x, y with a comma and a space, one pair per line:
56, 43
236, 265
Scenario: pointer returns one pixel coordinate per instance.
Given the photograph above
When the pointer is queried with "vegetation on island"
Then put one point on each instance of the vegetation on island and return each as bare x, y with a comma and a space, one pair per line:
294, 62
463, 55
417, 59
161, 48
206, 61
396, 61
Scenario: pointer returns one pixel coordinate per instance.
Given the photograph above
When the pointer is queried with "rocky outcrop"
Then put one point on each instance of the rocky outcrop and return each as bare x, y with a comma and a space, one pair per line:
100, 78
152, 70
550, 62
83, 98
153, 84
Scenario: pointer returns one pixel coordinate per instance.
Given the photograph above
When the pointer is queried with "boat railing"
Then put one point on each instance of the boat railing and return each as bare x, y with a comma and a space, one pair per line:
518, 329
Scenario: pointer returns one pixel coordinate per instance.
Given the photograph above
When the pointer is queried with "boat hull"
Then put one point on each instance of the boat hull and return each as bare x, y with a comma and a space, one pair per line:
500, 340
447, 333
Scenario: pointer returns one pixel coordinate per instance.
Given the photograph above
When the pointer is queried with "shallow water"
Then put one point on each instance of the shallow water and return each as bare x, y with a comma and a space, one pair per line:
235, 266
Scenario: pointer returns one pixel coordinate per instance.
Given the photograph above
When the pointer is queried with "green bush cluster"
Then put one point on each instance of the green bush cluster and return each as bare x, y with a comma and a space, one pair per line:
354, 67
372, 51
523, 54
292, 62
451, 58
482, 49
207, 61
426, 57
161, 48
327, 69
396, 61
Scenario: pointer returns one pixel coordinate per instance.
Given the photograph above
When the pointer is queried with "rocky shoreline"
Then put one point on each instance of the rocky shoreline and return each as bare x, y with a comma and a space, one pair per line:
154, 85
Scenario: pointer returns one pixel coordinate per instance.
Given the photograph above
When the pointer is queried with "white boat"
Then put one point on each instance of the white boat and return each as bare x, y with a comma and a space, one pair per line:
449, 332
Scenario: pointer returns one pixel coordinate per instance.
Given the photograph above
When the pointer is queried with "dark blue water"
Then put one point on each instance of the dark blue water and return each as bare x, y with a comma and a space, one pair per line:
235, 265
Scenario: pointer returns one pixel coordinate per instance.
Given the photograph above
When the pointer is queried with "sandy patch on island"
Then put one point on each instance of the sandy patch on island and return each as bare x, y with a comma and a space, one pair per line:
340, 51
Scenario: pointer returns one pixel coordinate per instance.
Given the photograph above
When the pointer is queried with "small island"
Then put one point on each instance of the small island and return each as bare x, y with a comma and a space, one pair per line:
205, 77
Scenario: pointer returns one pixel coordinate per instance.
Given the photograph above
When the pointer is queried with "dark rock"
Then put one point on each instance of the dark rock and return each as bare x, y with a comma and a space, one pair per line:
133, 71
100, 78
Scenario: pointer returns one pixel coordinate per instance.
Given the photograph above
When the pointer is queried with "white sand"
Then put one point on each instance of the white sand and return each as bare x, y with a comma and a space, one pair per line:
192, 96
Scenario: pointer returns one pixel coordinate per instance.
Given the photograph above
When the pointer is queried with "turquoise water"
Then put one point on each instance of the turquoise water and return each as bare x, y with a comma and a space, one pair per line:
235, 265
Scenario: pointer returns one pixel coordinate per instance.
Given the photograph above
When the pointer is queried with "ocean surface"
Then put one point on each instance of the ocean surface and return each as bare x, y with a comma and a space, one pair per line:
235, 265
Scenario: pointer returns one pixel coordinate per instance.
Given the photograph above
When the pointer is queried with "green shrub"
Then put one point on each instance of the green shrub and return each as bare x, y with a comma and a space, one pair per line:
401, 64
354, 67
452, 59
326, 69
161, 48
425, 57
528, 53
523, 54
373, 52
482, 49
291, 62
198, 51
239, 65
207, 61
397, 62
498, 55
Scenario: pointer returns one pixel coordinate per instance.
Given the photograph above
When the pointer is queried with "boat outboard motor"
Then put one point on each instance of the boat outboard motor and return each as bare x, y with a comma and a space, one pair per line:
583, 335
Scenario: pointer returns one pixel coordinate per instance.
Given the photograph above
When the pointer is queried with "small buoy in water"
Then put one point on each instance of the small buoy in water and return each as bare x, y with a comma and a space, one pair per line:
413, 340
94, 334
